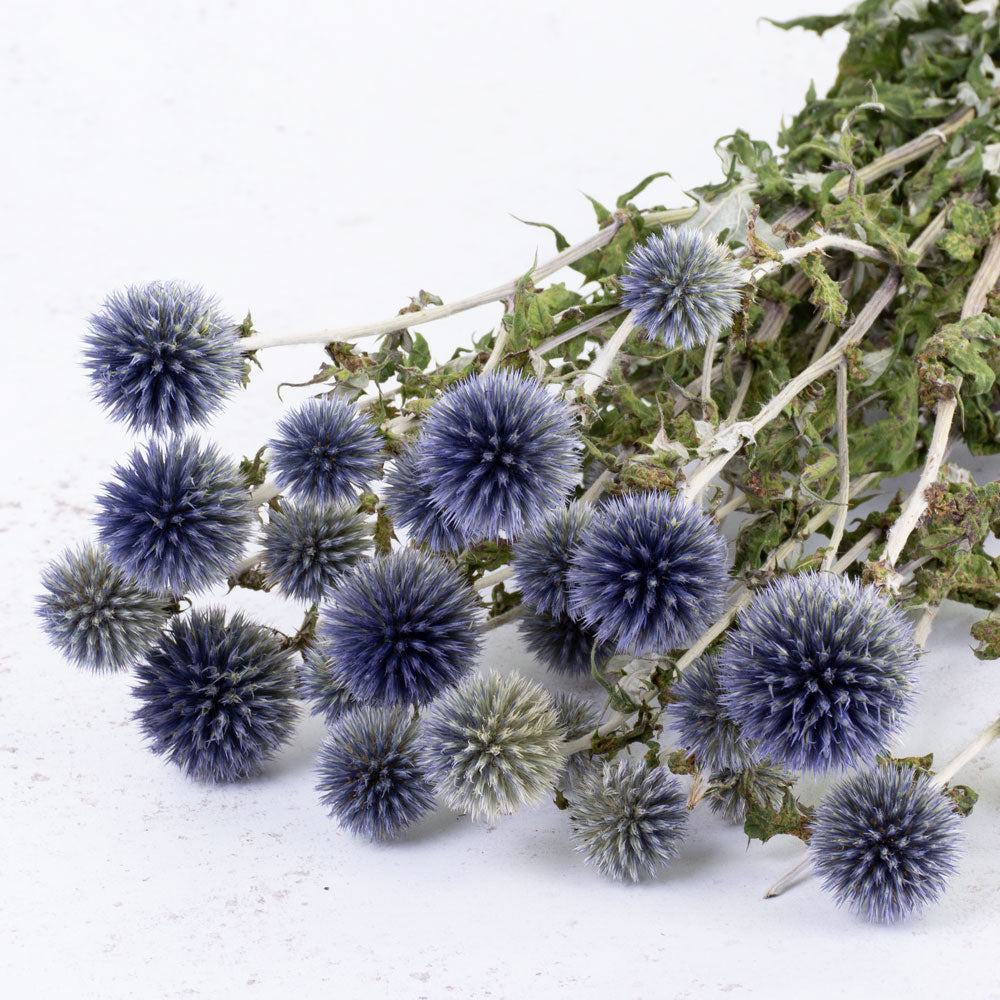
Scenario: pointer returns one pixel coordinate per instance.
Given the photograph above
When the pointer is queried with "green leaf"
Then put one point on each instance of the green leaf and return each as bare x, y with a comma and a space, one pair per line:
603, 215
624, 199
816, 22
561, 241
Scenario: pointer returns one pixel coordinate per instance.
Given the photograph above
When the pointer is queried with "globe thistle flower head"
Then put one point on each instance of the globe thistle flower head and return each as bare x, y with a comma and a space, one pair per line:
306, 547
217, 697
649, 573
628, 819
763, 782
819, 671
94, 614
370, 774
542, 558
682, 286
702, 725
563, 644
325, 451
408, 500
176, 517
578, 717
162, 356
493, 744
497, 452
400, 628
885, 842
322, 687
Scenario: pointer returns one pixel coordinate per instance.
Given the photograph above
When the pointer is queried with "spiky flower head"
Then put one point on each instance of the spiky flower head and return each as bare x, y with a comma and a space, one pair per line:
702, 725
649, 573
497, 452
162, 356
400, 628
494, 744
578, 717
563, 644
322, 687
542, 558
819, 671
176, 517
94, 614
325, 451
370, 772
682, 286
306, 547
885, 843
408, 500
628, 819
764, 783
217, 697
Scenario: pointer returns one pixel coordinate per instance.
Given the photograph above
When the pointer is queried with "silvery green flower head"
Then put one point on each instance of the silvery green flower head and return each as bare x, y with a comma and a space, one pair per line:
885, 842
217, 696
497, 452
682, 286
819, 671
578, 717
162, 356
494, 743
95, 614
176, 516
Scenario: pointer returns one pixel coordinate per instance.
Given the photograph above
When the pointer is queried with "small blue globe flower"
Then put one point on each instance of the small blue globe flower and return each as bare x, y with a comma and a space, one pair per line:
682, 286
96, 615
649, 573
401, 628
307, 547
885, 842
701, 723
819, 671
628, 819
370, 773
162, 356
408, 500
325, 451
563, 644
321, 686
217, 697
497, 452
578, 717
542, 558
176, 517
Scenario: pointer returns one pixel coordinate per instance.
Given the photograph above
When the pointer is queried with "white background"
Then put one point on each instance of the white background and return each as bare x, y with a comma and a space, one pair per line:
318, 163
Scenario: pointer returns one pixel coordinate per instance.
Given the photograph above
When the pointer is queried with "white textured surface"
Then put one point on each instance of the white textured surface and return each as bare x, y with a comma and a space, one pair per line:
318, 163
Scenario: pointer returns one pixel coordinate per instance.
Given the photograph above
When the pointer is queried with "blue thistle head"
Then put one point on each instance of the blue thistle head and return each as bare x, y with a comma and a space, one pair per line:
819, 671
176, 517
649, 573
628, 819
307, 547
701, 723
370, 773
493, 744
563, 644
764, 783
885, 843
497, 452
682, 286
162, 356
322, 687
408, 500
325, 451
578, 717
94, 614
217, 697
400, 628
542, 558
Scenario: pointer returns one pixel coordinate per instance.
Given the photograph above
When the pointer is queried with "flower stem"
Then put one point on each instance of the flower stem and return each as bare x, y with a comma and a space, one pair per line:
844, 463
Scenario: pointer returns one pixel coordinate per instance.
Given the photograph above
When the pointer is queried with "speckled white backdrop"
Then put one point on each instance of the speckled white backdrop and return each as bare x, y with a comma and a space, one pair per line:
318, 162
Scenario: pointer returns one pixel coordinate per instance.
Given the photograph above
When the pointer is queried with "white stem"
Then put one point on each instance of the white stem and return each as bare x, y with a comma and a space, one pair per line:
590, 380
706, 371
585, 742
585, 327
828, 241
489, 580
511, 615
844, 462
729, 506
264, 494
499, 346
741, 395
596, 488
973, 749
249, 562
922, 630
863, 544
792, 875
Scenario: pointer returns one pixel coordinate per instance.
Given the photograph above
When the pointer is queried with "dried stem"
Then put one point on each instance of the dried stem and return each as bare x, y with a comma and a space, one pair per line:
844, 463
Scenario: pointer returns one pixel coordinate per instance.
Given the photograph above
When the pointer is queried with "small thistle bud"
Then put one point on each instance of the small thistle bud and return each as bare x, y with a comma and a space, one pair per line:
400, 628
218, 697
649, 573
162, 356
494, 744
728, 791
321, 686
370, 773
307, 547
628, 819
818, 671
577, 718
682, 287
497, 452
95, 615
542, 559
176, 517
325, 451
563, 644
885, 843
